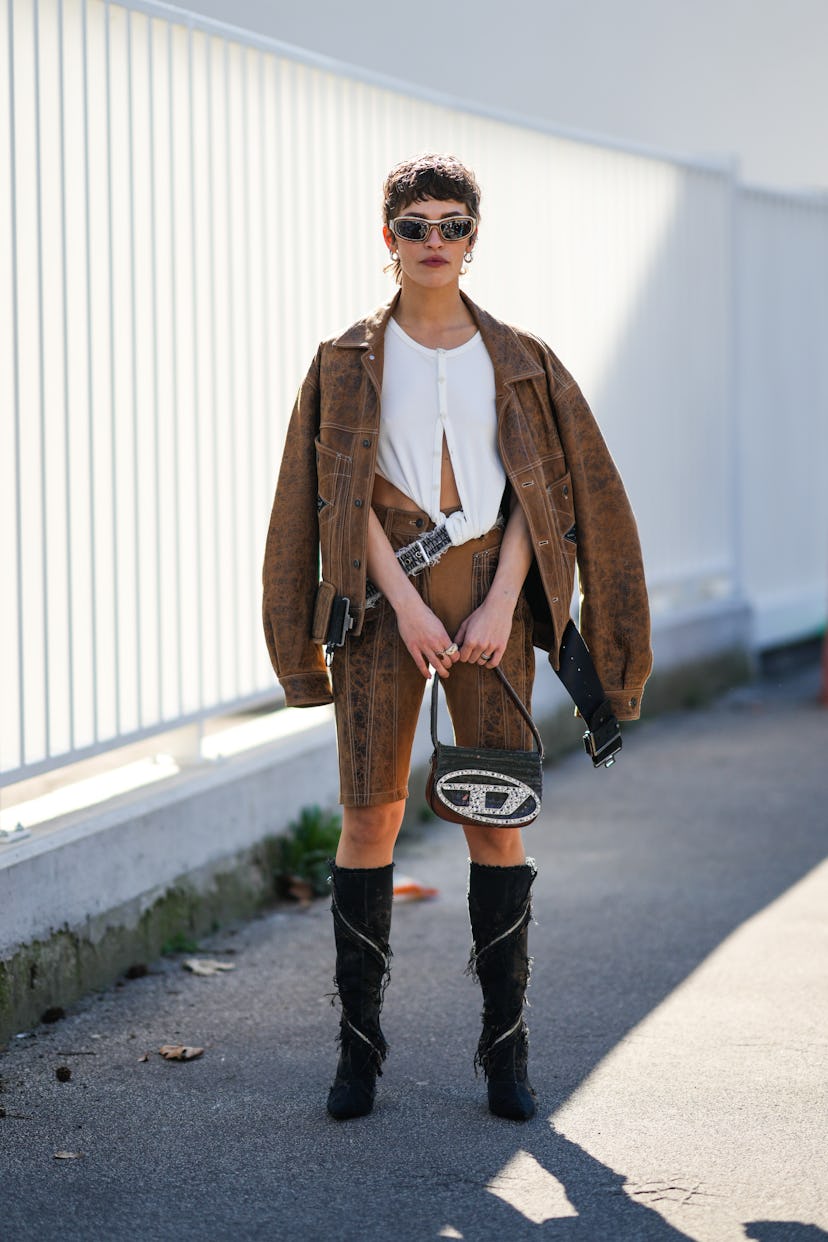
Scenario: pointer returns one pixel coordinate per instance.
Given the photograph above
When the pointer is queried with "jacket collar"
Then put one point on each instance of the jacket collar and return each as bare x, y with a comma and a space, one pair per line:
368, 333
510, 359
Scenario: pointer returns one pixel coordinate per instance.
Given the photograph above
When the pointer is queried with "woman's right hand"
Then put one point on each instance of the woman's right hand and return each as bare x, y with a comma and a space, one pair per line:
422, 632
425, 636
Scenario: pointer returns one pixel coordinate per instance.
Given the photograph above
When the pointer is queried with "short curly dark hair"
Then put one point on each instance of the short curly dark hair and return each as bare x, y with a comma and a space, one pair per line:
428, 176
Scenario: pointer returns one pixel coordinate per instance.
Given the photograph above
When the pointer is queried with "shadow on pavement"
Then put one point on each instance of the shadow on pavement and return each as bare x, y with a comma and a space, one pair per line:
643, 872
784, 1231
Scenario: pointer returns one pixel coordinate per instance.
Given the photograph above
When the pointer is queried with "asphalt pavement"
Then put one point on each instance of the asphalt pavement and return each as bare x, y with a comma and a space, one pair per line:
679, 1035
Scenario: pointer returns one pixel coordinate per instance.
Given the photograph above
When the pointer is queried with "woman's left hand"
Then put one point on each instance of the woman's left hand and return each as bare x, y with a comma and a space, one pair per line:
485, 632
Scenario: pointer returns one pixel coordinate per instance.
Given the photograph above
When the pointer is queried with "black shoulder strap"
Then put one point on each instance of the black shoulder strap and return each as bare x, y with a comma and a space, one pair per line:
583, 685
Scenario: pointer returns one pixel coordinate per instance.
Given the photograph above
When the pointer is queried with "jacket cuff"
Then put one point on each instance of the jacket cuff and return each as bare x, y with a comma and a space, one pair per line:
626, 703
306, 689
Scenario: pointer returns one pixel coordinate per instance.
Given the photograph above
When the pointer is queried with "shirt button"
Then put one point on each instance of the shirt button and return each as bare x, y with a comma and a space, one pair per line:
358, 504
356, 564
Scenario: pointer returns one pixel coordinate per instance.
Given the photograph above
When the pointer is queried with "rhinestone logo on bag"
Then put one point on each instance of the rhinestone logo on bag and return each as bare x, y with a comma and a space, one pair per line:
490, 797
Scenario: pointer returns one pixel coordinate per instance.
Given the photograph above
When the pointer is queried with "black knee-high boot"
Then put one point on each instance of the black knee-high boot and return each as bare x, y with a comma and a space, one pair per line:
361, 904
500, 911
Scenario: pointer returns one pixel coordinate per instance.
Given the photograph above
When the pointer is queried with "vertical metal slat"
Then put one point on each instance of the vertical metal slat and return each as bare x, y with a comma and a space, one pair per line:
66, 421
18, 465
175, 405
136, 481
249, 490
218, 567
90, 381
112, 400
41, 360
155, 386
196, 386
231, 362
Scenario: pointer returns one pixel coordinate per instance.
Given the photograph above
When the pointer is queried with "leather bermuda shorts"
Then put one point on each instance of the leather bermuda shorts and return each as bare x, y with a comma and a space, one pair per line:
378, 689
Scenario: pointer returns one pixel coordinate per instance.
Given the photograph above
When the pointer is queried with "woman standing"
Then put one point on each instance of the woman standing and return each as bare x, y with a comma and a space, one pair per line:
431, 415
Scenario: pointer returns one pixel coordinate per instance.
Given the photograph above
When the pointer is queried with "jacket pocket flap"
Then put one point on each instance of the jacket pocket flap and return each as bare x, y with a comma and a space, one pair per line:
560, 498
325, 596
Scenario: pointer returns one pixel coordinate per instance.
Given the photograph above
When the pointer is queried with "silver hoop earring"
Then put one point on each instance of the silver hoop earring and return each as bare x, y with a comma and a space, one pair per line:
468, 257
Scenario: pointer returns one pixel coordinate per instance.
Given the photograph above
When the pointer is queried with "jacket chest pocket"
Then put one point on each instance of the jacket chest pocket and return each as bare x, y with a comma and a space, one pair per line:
565, 534
560, 501
333, 477
332, 473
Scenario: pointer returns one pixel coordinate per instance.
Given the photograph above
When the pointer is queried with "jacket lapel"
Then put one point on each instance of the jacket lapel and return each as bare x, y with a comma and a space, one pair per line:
368, 335
510, 359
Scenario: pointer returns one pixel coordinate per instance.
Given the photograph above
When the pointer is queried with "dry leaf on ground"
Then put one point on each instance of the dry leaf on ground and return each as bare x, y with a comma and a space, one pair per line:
206, 966
68, 1155
179, 1052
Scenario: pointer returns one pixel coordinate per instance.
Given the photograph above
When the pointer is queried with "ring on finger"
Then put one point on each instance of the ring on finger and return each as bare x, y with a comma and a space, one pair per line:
486, 655
449, 651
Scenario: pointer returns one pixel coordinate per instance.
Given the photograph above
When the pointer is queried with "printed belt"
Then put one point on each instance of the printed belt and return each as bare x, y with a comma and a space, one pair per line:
417, 556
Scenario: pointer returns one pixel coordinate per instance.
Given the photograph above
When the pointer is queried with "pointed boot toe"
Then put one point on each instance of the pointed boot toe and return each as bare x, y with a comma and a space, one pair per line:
350, 1099
513, 1100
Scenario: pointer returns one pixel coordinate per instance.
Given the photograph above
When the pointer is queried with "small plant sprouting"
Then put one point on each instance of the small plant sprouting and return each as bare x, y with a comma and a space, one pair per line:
304, 852
179, 942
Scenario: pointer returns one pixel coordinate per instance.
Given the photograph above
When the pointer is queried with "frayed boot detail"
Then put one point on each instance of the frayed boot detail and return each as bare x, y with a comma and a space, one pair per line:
361, 905
500, 912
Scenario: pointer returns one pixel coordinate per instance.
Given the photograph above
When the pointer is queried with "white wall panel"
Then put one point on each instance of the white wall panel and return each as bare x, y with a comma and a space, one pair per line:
783, 412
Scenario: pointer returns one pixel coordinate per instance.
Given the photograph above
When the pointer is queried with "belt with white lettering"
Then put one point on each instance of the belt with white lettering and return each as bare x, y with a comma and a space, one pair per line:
417, 556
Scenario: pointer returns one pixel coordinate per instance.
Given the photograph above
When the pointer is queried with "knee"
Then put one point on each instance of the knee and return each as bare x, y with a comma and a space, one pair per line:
371, 826
495, 847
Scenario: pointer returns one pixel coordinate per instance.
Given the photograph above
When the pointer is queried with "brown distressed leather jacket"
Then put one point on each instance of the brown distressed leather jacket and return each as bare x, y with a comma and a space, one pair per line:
556, 462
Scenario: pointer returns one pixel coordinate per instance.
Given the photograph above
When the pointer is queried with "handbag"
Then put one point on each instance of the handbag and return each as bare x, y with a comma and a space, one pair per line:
482, 784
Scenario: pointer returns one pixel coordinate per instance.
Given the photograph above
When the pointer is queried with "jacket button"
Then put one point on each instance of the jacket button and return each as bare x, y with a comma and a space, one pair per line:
419, 523
356, 564
633, 702
366, 443
565, 492
358, 504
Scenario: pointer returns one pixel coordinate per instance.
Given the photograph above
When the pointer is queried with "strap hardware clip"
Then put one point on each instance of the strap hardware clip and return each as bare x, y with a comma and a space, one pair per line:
602, 740
341, 621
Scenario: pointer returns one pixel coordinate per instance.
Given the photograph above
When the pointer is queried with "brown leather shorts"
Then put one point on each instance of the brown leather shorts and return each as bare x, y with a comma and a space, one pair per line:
378, 689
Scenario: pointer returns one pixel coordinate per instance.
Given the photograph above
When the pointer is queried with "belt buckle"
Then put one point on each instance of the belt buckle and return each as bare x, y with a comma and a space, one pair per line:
603, 744
426, 558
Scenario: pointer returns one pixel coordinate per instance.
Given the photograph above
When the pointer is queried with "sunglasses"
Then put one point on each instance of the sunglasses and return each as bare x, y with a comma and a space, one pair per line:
416, 229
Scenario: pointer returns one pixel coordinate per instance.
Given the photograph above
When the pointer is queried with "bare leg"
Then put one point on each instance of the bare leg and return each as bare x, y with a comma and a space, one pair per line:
369, 834
495, 847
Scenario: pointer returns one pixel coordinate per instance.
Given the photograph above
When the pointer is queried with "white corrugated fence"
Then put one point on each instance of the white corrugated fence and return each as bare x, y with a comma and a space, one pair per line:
186, 210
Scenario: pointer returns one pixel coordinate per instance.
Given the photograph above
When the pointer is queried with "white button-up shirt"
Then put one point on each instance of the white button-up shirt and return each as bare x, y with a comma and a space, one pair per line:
428, 394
